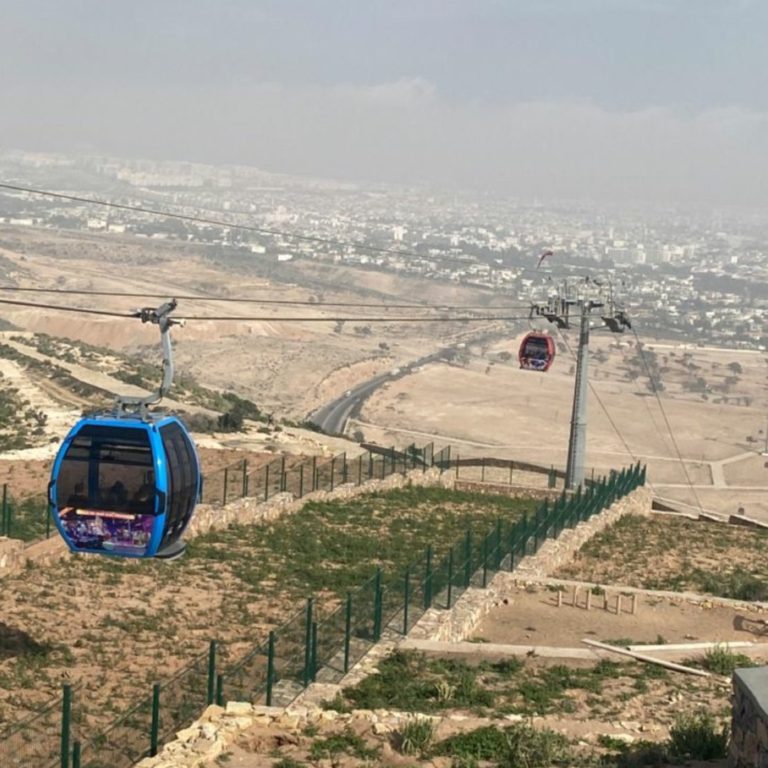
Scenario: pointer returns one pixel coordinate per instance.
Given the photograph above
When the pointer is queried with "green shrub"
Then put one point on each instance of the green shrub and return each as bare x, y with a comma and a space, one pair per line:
642, 754
518, 746
721, 661
697, 737
531, 748
416, 736
347, 742
487, 743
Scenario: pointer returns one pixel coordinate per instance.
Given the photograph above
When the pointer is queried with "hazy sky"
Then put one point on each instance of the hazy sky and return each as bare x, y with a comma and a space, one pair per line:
612, 99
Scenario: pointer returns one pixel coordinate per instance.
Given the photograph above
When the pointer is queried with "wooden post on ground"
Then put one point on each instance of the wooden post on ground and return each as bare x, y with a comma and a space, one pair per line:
589, 599
559, 597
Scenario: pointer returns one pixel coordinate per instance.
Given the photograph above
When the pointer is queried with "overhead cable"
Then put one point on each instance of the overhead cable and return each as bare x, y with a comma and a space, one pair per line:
255, 300
275, 319
655, 390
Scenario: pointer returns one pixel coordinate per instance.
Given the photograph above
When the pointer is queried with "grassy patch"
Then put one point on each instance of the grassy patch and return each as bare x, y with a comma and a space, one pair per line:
676, 554
720, 661
335, 546
414, 682
233, 585
347, 742
516, 745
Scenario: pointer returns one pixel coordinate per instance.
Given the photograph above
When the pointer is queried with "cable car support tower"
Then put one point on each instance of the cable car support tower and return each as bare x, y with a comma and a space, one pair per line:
561, 309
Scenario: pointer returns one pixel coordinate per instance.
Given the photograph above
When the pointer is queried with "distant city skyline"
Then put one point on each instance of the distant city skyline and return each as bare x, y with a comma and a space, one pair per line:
623, 100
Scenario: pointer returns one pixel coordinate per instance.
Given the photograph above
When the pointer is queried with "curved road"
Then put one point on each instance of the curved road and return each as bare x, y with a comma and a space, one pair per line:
332, 418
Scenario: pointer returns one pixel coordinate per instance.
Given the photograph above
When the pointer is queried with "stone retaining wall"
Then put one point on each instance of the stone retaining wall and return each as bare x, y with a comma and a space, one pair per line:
475, 603
11, 554
504, 489
749, 725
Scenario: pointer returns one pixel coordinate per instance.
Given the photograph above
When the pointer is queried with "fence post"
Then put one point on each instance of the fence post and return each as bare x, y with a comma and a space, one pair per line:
76, 755
270, 666
428, 580
308, 643
245, 478
154, 730
301, 481
499, 557
66, 718
266, 483
282, 474
406, 598
450, 576
5, 527
468, 557
512, 543
211, 672
457, 466
377, 607
333, 467
344, 468
220, 690
542, 514
226, 483
347, 631
360, 469
313, 656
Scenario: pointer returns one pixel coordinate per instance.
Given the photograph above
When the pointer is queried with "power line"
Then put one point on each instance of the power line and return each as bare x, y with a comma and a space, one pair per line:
655, 389
254, 300
84, 311
230, 225
355, 318
276, 319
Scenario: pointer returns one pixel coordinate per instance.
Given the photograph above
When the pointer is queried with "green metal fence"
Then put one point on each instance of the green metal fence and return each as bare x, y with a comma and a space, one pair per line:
24, 518
41, 739
320, 642
315, 473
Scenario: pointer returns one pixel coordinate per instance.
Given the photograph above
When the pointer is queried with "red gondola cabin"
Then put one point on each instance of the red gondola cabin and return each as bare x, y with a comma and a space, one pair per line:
537, 352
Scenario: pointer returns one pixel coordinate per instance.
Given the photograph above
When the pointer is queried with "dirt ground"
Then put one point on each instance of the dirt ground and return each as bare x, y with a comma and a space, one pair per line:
498, 410
531, 617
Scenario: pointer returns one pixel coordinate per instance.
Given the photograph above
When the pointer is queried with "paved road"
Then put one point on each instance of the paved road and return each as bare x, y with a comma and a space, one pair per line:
332, 418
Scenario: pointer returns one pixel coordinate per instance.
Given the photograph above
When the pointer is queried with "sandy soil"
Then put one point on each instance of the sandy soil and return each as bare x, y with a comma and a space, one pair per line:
499, 410
531, 616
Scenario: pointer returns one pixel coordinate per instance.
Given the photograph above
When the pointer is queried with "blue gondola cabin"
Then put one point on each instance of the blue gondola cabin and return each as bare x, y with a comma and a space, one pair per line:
125, 486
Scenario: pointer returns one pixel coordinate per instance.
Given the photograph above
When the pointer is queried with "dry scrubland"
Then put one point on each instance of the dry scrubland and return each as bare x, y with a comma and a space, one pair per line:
280, 365
484, 405
676, 554
116, 626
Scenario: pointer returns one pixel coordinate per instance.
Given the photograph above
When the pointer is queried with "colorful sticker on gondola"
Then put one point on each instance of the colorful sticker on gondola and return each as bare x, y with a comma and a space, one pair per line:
104, 531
